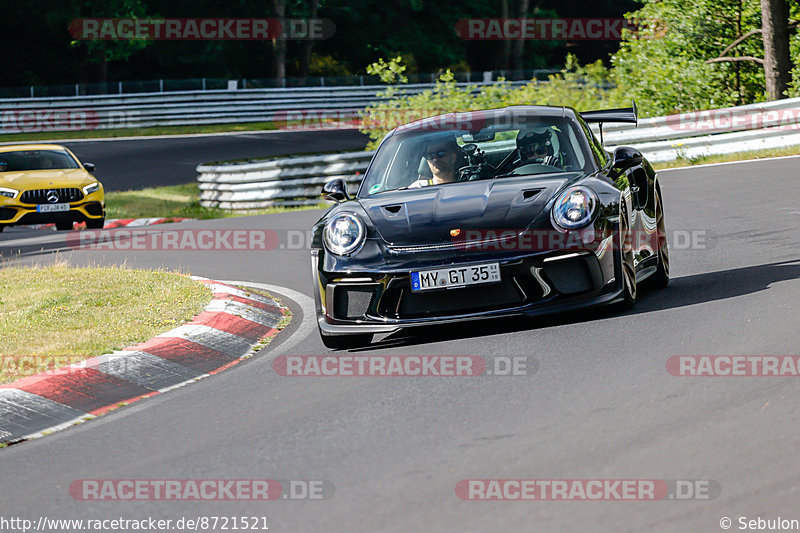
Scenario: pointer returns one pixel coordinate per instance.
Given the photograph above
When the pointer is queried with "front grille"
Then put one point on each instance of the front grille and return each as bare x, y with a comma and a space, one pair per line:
457, 301
39, 196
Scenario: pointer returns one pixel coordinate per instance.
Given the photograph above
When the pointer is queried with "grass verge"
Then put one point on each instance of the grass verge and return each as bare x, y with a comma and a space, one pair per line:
726, 158
175, 201
52, 316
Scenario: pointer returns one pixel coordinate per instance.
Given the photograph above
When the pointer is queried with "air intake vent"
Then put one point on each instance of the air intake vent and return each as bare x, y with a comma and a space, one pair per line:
530, 193
352, 301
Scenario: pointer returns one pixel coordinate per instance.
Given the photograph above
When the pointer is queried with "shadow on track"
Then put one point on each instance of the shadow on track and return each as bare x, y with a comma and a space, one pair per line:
682, 292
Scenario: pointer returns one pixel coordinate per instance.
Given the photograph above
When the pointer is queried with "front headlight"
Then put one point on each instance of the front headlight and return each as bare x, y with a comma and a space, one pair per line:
8, 193
574, 207
92, 187
343, 234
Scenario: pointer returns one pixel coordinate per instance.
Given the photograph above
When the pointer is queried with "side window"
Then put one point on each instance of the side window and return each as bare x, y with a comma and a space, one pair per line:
600, 155
576, 148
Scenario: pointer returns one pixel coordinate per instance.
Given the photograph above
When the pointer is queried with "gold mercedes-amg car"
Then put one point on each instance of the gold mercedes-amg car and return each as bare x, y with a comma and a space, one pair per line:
45, 183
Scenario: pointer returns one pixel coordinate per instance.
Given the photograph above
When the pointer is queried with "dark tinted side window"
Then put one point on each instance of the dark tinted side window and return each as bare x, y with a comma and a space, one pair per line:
600, 155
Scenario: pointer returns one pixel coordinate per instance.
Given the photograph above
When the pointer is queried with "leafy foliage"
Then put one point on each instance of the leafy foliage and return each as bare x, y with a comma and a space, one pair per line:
663, 65
391, 72
583, 87
794, 47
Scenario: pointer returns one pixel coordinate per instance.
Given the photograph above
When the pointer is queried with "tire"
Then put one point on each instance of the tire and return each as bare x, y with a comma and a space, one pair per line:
343, 342
660, 279
628, 272
64, 226
2, 227
97, 223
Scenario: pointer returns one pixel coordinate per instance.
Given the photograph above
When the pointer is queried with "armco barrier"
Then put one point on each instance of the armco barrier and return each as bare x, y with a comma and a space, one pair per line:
291, 181
298, 180
80, 113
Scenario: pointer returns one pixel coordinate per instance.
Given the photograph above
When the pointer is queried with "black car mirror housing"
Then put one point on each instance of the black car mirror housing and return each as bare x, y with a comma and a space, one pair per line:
335, 190
624, 158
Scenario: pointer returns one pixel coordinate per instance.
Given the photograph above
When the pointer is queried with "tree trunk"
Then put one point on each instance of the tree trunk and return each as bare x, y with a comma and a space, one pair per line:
506, 55
307, 46
279, 43
777, 63
518, 46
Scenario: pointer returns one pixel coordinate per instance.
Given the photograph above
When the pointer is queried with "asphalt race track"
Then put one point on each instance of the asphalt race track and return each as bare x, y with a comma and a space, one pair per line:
139, 162
601, 405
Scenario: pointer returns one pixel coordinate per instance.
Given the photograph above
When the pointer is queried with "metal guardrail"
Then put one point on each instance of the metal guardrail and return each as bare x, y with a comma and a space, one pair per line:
292, 181
185, 108
298, 180
208, 84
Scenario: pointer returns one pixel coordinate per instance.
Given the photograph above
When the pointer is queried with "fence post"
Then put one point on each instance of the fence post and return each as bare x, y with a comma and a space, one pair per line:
120, 87
161, 85
77, 91
204, 84
31, 91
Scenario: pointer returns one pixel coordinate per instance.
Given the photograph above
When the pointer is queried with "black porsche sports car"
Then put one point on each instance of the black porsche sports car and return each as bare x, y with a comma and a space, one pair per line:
514, 211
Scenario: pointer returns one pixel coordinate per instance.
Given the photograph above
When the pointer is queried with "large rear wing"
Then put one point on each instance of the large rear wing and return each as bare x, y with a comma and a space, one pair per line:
629, 115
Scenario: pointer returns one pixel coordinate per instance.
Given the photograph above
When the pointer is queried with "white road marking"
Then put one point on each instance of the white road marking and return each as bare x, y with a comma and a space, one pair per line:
728, 163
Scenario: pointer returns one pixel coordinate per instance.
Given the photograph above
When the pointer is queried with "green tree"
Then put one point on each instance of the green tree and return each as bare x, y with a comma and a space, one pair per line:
103, 52
675, 61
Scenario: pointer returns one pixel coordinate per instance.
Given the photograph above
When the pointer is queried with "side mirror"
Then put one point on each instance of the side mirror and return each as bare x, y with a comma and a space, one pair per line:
624, 158
88, 166
335, 190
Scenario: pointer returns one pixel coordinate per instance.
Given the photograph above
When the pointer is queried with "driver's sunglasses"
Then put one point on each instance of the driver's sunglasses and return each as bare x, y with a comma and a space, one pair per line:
440, 154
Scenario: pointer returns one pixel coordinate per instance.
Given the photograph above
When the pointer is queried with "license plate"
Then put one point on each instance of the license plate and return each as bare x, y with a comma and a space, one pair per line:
447, 278
52, 208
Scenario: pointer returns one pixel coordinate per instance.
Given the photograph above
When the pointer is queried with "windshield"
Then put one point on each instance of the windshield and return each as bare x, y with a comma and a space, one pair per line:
36, 160
420, 157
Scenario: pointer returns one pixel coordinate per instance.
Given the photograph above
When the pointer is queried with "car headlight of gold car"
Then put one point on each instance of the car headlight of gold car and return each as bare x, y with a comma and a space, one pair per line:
92, 187
8, 193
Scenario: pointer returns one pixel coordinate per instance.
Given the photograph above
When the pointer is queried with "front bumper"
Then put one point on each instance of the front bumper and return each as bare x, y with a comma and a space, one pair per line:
531, 285
13, 212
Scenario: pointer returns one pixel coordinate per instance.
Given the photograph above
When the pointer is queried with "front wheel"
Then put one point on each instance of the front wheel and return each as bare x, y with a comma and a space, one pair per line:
343, 342
625, 247
661, 277
64, 225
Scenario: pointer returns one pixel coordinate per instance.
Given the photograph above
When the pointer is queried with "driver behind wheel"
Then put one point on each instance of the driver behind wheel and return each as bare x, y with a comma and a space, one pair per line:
536, 146
441, 156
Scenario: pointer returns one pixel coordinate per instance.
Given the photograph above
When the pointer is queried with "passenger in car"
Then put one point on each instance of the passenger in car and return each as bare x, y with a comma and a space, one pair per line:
536, 146
441, 156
